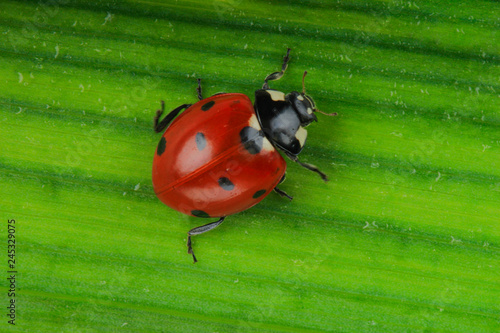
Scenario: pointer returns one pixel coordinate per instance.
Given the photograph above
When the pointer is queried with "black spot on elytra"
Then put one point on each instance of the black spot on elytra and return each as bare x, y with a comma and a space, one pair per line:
252, 139
161, 146
207, 106
225, 183
258, 193
201, 142
199, 213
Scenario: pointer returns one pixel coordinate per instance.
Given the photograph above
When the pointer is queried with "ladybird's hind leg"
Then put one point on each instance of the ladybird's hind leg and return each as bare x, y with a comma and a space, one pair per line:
308, 166
160, 126
280, 192
277, 75
198, 90
199, 230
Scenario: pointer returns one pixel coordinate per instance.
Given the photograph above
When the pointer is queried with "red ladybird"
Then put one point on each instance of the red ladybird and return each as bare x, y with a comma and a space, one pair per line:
220, 157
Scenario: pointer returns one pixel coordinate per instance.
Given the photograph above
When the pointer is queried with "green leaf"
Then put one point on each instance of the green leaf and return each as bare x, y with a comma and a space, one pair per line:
404, 237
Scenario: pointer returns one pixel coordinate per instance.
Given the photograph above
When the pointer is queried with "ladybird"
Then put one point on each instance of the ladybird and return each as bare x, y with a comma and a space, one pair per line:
220, 156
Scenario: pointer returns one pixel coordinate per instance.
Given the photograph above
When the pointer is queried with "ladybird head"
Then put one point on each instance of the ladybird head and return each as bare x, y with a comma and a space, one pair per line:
304, 107
283, 117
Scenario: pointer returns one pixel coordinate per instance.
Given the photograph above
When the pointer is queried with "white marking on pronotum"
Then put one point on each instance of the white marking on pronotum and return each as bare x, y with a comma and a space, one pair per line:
267, 145
276, 95
254, 123
301, 135
300, 98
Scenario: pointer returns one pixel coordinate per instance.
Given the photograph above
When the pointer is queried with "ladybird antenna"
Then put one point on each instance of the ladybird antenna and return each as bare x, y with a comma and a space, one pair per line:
303, 83
304, 91
326, 114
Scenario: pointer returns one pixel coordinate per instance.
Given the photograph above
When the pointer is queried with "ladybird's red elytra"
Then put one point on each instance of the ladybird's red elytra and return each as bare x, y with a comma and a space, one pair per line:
200, 166
220, 155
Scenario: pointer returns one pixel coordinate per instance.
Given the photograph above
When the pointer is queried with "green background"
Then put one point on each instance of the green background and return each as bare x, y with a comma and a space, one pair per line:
404, 237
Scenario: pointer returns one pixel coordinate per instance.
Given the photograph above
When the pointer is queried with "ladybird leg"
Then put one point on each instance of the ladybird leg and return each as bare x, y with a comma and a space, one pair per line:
198, 90
282, 193
277, 75
200, 230
308, 166
160, 126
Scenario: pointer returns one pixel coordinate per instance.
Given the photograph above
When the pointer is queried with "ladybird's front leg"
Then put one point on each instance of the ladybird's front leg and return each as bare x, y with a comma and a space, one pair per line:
308, 166
277, 75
